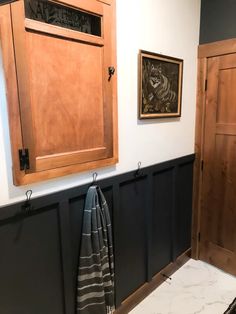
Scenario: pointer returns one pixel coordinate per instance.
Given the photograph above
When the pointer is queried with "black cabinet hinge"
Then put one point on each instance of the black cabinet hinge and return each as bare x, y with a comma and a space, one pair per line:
24, 159
199, 236
205, 85
202, 165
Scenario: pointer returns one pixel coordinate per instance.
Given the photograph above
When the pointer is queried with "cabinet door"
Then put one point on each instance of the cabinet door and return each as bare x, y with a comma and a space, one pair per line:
63, 51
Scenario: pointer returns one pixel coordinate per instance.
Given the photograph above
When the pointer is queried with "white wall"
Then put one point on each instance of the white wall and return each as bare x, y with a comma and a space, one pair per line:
169, 27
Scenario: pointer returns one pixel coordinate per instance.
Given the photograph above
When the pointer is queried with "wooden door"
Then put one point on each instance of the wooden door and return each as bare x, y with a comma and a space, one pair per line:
66, 100
218, 214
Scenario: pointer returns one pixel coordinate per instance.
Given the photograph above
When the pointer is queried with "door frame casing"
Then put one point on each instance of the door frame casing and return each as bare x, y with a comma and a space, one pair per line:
205, 51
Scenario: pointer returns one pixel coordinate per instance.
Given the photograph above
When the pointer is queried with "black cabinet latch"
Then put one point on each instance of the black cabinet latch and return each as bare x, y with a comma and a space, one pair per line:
111, 71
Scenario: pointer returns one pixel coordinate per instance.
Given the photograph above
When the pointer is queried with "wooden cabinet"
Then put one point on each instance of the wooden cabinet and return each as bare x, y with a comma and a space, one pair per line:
59, 58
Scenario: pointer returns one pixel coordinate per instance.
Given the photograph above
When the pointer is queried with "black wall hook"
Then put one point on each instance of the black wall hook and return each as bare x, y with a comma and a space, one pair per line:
27, 205
138, 172
94, 178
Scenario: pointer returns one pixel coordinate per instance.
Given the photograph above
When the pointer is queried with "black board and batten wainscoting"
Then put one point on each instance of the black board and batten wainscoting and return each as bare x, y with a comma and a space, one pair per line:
151, 215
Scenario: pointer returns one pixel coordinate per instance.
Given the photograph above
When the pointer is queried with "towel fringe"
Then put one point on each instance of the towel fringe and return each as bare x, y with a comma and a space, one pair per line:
110, 309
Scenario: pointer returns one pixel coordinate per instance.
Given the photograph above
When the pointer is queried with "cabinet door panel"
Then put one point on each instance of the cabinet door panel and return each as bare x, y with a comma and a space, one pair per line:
65, 96
64, 122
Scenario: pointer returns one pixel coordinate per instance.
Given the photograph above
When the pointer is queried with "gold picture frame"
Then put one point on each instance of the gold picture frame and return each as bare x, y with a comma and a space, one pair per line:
160, 86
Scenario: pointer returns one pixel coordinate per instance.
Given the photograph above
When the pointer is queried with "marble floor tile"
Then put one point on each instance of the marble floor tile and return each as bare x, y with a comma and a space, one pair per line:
196, 288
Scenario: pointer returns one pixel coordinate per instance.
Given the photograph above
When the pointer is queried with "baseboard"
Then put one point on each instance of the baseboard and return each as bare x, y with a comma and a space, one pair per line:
138, 296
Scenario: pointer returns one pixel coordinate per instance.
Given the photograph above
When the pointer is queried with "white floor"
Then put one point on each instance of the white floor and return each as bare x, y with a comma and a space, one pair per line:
196, 288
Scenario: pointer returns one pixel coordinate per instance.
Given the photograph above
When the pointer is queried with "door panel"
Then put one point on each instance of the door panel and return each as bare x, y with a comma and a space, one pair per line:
218, 232
226, 113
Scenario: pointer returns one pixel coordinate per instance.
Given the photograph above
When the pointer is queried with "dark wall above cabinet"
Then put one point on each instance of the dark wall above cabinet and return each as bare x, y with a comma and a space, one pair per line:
217, 20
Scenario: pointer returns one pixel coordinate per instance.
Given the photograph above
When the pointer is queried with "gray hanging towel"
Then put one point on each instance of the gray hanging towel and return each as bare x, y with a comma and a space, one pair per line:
95, 285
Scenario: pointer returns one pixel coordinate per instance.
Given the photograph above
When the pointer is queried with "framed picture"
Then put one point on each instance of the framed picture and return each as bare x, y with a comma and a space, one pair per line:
160, 86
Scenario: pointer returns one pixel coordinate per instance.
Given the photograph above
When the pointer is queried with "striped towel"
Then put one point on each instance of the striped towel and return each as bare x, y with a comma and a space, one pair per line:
95, 285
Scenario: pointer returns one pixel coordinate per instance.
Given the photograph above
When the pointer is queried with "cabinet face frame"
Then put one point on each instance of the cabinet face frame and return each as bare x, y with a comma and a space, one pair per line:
8, 54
